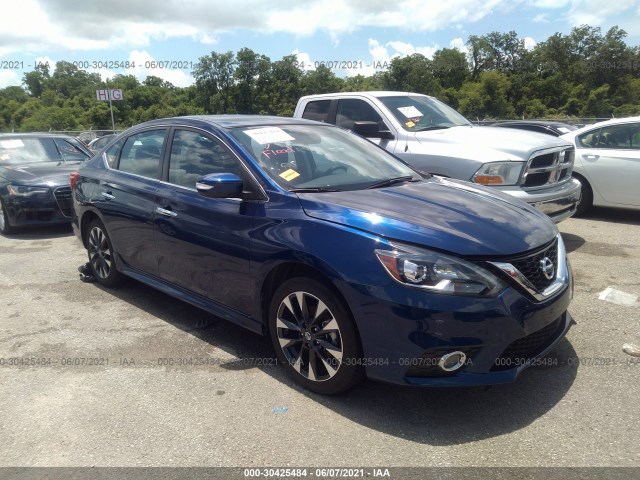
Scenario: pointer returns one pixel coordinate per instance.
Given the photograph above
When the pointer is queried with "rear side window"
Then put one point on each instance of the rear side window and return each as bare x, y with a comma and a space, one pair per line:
318, 110
589, 139
113, 152
69, 150
616, 137
141, 154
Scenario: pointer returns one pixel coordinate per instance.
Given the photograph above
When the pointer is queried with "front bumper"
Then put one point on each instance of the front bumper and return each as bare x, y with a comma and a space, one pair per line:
403, 330
51, 208
557, 201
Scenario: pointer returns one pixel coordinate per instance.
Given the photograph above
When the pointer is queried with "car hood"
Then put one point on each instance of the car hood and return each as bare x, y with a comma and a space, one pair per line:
520, 144
47, 173
438, 213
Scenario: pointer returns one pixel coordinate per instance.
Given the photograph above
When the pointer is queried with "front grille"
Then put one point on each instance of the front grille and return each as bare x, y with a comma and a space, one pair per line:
527, 347
531, 267
63, 199
548, 168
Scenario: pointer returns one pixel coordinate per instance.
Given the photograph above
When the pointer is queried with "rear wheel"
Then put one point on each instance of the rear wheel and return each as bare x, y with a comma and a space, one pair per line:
586, 200
101, 255
314, 336
5, 227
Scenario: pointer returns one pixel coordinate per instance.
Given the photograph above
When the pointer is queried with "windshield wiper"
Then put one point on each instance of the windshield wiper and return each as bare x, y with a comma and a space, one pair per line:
433, 127
314, 190
391, 181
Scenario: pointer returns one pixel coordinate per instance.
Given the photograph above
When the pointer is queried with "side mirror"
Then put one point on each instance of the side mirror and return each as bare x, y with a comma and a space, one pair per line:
371, 129
220, 185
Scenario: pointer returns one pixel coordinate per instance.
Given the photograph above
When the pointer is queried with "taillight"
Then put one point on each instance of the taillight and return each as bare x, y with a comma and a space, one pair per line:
73, 178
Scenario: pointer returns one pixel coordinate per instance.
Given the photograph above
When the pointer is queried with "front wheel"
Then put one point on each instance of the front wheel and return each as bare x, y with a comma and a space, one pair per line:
5, 226
101, 255
314, 336
586, 198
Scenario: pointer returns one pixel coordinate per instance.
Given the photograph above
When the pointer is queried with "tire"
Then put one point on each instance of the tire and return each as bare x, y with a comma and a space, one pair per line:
101, 255
586, 200
313, 335
5, 226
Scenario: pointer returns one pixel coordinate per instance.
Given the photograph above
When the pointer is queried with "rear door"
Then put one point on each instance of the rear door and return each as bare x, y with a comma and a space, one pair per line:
127, 197
611, 158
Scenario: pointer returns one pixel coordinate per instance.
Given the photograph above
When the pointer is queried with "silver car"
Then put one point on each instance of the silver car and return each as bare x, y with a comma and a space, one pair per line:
434, 138
608, 163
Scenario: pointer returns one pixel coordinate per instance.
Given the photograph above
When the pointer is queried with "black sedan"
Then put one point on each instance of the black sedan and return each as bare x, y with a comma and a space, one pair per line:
34, 178
549, 127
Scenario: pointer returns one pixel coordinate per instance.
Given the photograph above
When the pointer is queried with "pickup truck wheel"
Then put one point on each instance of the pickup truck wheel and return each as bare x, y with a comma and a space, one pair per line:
586, 200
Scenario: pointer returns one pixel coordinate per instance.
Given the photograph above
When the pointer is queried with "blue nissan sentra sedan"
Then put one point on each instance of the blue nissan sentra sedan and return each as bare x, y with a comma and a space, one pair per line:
353, 263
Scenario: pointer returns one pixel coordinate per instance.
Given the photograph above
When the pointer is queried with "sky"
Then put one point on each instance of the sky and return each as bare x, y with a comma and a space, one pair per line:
166, 38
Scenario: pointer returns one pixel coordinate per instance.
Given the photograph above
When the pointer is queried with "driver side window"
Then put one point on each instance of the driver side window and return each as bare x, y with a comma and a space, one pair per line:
194, 155
353, 110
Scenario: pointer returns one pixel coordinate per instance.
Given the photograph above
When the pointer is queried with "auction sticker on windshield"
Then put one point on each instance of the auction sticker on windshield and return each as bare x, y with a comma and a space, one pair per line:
410, 112
269, 135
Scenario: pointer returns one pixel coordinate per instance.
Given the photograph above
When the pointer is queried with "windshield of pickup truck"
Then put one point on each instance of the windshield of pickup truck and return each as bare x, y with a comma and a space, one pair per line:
320, 158
420, 113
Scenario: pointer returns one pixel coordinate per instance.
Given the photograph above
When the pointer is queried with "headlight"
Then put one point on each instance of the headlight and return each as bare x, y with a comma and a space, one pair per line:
499, 173
438, 273
23, 191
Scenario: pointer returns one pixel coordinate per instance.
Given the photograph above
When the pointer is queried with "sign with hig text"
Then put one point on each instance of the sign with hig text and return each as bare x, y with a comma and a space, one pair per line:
114, 93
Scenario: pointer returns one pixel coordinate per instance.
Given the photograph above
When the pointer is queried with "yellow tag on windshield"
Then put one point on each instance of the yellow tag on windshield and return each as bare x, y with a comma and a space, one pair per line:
410, 124
289, 175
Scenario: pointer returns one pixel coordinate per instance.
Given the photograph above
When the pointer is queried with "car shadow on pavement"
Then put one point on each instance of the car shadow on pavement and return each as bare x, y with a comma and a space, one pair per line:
572, 242
613, 215
434, 416
41, 232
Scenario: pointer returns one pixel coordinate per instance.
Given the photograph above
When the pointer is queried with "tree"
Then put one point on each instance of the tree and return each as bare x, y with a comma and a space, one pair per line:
250, 76
412, 74
214, 78
37, 80
320, 80
450, 68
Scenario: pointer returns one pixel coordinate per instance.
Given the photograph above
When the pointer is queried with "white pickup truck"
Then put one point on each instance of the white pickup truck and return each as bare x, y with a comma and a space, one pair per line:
434, 138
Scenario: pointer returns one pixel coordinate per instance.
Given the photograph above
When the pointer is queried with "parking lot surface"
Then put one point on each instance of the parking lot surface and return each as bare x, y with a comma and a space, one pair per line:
132, 377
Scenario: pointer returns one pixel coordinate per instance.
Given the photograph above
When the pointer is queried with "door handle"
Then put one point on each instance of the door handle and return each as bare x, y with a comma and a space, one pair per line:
591, 156
166, 212
107, 195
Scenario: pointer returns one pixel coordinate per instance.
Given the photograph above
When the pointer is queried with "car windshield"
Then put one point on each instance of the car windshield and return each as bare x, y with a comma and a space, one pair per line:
420, 113
20, 151
320, 158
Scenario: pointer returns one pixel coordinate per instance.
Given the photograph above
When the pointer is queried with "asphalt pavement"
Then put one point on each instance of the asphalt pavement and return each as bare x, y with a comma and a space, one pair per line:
131, 377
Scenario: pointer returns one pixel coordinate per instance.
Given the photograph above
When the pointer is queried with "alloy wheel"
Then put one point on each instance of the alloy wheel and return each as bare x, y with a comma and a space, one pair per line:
309, 336
99, 252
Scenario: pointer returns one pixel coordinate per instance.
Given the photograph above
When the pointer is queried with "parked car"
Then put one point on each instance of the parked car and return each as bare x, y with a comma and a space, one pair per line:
34, 178
608, 163
99, 143
549, 127
352, 262
87, 137
434, 138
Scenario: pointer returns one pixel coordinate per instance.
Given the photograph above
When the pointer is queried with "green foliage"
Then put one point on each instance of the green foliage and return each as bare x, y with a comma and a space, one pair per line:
584, 73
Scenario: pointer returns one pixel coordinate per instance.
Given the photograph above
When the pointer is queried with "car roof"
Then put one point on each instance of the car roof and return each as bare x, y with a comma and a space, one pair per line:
231, 121
35, 135
372, 94
613, 121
